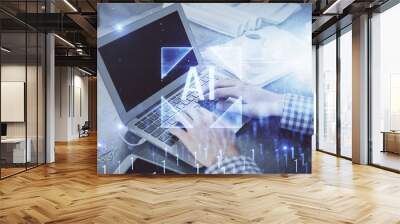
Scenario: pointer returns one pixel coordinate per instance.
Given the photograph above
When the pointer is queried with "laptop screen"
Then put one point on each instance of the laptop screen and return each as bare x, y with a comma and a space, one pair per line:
134, 61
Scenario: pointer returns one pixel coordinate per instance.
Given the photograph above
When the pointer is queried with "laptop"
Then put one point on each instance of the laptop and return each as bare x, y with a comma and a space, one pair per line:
129, 64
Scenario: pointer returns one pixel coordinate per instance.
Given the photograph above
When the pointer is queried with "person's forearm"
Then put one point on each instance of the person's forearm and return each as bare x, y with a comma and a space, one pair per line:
277, 106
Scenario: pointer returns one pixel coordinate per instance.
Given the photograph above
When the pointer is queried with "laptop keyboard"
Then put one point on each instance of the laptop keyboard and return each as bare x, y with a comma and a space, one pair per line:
151, 123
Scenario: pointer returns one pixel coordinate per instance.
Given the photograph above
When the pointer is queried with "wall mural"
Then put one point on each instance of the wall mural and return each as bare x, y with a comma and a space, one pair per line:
200, 88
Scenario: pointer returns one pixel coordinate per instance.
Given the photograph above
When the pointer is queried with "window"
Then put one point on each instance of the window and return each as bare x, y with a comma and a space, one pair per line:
346, 94
385, 89
327, 97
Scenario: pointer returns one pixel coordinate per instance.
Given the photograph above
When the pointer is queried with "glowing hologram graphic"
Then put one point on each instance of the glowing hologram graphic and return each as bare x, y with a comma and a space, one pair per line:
231, 118
170, 57
192, 75
167, 111
168, 114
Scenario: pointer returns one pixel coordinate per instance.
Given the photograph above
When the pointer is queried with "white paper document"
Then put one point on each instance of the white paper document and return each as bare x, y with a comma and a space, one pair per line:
261, 56
235, 19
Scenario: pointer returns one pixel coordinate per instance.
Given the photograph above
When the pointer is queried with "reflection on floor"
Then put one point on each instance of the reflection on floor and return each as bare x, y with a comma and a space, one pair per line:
10, 171
387, 159
70, 191
346, 152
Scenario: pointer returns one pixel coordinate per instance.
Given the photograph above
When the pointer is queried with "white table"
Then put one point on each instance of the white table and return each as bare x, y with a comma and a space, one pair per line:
19, 155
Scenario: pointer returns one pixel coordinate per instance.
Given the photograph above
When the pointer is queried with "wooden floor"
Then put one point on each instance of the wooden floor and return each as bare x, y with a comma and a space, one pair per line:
10, 171
70, 191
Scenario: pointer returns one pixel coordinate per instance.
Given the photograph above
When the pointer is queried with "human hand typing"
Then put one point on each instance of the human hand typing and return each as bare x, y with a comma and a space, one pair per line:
257, 102
198, 135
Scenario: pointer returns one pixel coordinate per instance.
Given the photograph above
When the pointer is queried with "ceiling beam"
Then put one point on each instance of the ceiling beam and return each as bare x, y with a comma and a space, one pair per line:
78, 61
337, 6
84, 24
49, 22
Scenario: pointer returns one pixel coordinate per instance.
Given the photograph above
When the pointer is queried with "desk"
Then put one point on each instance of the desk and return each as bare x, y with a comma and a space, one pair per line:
391, 141
13, 150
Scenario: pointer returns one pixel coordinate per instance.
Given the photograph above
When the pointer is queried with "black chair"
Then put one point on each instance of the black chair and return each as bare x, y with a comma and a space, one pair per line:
84, 130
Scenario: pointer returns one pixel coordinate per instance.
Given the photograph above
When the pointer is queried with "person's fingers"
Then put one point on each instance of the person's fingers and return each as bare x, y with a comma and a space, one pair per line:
239, 110
181, 134
184, 119
189, 141
194, 113
245, 109
222, 106
220, 83
206, 115
227, 92
185, 112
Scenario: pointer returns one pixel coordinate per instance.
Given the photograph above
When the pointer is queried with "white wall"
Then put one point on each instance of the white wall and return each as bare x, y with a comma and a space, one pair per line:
33, 126
71, 102
13, 101
62, 81
80, 109
17, 73
12, 73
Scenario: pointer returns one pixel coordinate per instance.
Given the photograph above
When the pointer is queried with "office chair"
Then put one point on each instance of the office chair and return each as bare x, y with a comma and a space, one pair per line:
84, 130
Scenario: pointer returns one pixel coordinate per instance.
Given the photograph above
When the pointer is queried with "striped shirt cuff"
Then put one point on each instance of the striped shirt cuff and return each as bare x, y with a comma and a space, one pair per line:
298, 114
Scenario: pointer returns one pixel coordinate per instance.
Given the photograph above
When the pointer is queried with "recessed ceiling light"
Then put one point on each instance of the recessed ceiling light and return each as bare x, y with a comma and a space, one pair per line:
70, 5
64, 40
5, 50
338, 6
84, 71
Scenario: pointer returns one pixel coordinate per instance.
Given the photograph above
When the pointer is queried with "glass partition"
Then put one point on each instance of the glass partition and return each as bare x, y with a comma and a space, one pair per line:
327, 96
22, 78
14, 145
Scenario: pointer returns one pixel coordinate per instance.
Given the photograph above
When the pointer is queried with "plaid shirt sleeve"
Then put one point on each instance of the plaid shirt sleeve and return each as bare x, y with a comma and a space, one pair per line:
298, 114
234, 165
